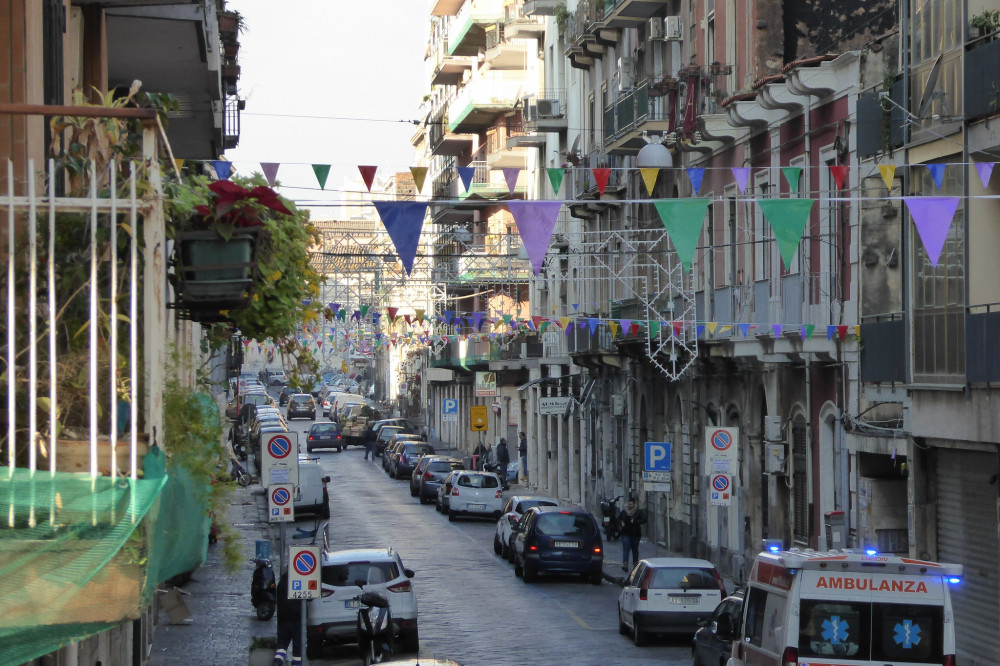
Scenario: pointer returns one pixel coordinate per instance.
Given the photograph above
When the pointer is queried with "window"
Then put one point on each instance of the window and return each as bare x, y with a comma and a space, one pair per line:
878, 633
669, 578
347, 575
566, 524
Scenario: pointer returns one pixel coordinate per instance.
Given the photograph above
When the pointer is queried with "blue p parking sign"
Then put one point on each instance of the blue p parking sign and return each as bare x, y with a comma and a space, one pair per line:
656, 457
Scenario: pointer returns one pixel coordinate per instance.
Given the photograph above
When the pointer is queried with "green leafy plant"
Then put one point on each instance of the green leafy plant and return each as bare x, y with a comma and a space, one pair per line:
562, 18
986, 22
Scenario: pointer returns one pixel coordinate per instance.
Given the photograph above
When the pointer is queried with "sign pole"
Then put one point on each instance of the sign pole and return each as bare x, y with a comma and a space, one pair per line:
302, 633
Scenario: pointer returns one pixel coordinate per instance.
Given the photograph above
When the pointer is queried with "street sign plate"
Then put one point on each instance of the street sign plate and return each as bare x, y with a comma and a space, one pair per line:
303, 572
280, 460
721, 449
478, 418
449, 410
280, 507
657, 456
656, 487
721, 490
656, 476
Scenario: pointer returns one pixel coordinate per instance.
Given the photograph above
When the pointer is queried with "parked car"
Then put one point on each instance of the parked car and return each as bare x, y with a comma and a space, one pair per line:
668, 595
444, 491
418, 471
407, 456
311, 494
390, 449
433, 475
552, 539
324, 435
476, 494
301, 405
394, 448
407, 424
250, 397
708, 648
333, 617
515, 507
286, 393
385, 433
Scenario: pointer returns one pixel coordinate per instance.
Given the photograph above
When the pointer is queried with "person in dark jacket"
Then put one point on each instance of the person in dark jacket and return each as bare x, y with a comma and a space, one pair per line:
289, 625
632, 519
522, 453
503, 459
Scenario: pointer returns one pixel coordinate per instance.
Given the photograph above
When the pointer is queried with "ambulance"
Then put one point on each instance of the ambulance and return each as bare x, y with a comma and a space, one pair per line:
840, 608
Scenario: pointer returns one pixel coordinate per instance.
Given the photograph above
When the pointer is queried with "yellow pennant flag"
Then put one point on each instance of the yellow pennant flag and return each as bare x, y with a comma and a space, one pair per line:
565, 321
179, 163
419, 314
725, 328
649, 175
614, 328
711, 326
419, 173
857, 332
888, 172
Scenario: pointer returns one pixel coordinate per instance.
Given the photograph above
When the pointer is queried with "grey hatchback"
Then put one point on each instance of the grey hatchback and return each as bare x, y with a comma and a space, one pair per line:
435, 474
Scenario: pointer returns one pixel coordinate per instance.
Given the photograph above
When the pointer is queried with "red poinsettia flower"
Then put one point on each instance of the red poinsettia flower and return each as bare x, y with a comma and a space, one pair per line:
234, 206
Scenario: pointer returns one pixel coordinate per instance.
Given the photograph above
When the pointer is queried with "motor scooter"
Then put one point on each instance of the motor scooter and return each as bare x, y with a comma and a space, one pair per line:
374, 629
262, 588
609, 518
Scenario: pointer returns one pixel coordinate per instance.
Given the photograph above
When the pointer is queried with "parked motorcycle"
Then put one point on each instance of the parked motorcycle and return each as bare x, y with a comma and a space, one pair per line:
375, 629
262, 588
238, 473
609, 519
502, 473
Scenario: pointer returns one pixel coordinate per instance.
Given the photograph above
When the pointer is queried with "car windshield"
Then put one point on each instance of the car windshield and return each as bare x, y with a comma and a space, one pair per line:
324, 429
566, 524
478, 481
524, 505
684, 578
419, 449
345, 575
444, 466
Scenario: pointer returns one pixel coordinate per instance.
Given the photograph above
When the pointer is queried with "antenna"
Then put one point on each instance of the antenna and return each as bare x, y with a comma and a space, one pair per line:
927, 99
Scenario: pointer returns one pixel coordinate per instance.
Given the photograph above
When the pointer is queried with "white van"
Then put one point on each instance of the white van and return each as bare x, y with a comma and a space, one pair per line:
844, 609
311, 495
338, 400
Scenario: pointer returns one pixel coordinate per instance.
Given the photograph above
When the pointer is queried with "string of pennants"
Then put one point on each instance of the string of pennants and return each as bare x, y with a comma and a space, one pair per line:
683, 219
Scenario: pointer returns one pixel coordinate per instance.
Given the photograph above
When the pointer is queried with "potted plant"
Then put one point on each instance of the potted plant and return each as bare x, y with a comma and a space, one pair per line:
985, 22
231, 23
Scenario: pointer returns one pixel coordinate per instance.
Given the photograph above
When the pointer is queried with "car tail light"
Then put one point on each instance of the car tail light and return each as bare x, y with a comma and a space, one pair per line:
325, 592
532, 547
400, 587
499, 494
338, 435
722, 585
949, 660
312, 437
428, 476
790, 657
644, 585
597, 550
454, 491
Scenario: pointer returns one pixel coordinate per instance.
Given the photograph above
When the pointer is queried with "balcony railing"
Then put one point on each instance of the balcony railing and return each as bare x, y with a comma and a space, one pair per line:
982, 330
883, 355
496, 137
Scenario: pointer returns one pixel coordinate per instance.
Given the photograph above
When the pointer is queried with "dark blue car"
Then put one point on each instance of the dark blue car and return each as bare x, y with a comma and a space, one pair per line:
559, 540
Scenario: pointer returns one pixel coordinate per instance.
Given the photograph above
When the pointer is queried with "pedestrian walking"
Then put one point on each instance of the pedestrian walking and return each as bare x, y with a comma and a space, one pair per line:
289, 626
370, 448
487, 457
503, 460
522, 452
632, 519
477, 457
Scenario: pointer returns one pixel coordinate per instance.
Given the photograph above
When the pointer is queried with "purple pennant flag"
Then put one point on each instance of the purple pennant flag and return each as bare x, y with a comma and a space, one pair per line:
510, 175
985, 170
626, 325
535, 221
270, 170
932, 216
742, 175
466, 173
404, 221
696, 174
223, 169
335, 307
937, 173
777, 328
477, 320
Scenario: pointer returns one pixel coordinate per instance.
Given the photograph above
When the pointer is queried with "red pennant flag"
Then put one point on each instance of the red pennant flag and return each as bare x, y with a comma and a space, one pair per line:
839, 173
601, 178
406, 318
842, 332
536, 321
392, 313
634, 329
368, 173
678, 326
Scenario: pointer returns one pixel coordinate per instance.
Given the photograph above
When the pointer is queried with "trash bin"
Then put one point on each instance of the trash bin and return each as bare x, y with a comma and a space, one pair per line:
836, 529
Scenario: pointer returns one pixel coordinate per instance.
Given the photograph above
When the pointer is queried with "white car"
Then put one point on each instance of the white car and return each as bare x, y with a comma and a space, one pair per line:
515, 507
475, 494
668, 595
333, 617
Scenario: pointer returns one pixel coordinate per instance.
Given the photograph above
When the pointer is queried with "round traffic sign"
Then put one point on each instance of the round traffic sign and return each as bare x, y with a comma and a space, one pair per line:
279, 446
281, 496
720, 482
304, 563
721, 440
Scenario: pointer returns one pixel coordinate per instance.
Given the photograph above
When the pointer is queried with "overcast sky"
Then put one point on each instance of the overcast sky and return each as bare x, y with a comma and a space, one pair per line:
351, 64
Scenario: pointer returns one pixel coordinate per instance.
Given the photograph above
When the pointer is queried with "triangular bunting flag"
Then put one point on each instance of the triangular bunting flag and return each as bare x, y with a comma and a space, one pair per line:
699, 329
830, 330
792, 175
556, 177
419, 314
839, 173
937, 173
565, 323
649, 175
613, 325
466, 173
809, 330
985, 170
392, 314
601, 176
477, 320
777, 328
592, 323
626, 326
677, 326
179, 163
787, 218
745, 329
933, 217
742, 175
403, 220
535, 221
712, 325
634, 329
842, 332
510, 177
419, 174
223, 169
270, 170
364, 310
368, 175
888, 172
654, 328
322, 172
857, 332
696, 174
683, 220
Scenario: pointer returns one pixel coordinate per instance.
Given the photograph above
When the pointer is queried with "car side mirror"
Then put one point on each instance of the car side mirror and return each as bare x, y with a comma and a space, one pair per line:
724, 627
409, 573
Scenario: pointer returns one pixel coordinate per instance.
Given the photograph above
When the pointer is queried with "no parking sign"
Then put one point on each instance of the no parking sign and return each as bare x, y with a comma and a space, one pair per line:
280, 459
721, 489
721, 450
303, 572
280, 508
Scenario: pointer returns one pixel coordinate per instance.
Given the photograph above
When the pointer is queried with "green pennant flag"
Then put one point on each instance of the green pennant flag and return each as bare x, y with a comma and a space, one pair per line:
556, 177
507, 318
683, 219
788, 218
322, 171
654, 328
792, 176
364, 310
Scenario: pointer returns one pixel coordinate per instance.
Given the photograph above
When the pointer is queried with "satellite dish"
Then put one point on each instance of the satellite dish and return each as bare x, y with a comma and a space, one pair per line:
927, 99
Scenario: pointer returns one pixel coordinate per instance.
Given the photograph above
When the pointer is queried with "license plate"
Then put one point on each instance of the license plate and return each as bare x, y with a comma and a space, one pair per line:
474, 507
352, 604
567, 544
684, 600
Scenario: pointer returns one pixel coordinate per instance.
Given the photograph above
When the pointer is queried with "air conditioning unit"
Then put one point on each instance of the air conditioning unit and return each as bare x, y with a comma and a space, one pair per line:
672, 28
772, 429
656, 28
547, 108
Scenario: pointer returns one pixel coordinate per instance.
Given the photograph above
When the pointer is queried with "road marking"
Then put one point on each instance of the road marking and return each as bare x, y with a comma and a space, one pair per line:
583, 624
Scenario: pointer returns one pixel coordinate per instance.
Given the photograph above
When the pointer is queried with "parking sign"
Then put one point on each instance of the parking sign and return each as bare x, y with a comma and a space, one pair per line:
280, 508
449, 410
721, 450
657, 457
280, 460
721, 490
303, 572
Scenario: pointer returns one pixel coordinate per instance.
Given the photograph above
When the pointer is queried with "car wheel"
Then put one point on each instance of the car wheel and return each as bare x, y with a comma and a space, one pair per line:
314, 648
518, 569
530, 572
504, 553
339, 449
622, 627
510, 550
451, 516
638, 635
497, 548
595, 578
413, 493
409, 642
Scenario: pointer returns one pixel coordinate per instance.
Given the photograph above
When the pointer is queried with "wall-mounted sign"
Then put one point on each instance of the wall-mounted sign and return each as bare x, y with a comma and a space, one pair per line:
552, 406
721, 450
486, 384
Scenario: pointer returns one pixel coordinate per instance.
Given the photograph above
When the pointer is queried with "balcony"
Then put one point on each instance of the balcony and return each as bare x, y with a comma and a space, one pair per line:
630, 13
519, 24
982, 330
504, 52
467, 355
982, 79
631, 114
442, 141
446, 7
480, 101
499, 153
231, 127
545, 112
446, 69
467, 36
592, 350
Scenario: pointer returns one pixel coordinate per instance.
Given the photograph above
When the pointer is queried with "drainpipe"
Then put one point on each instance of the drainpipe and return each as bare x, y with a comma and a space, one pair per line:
810, 486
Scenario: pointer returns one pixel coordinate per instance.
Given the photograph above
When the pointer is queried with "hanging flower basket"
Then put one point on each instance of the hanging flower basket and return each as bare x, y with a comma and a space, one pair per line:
212, 272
